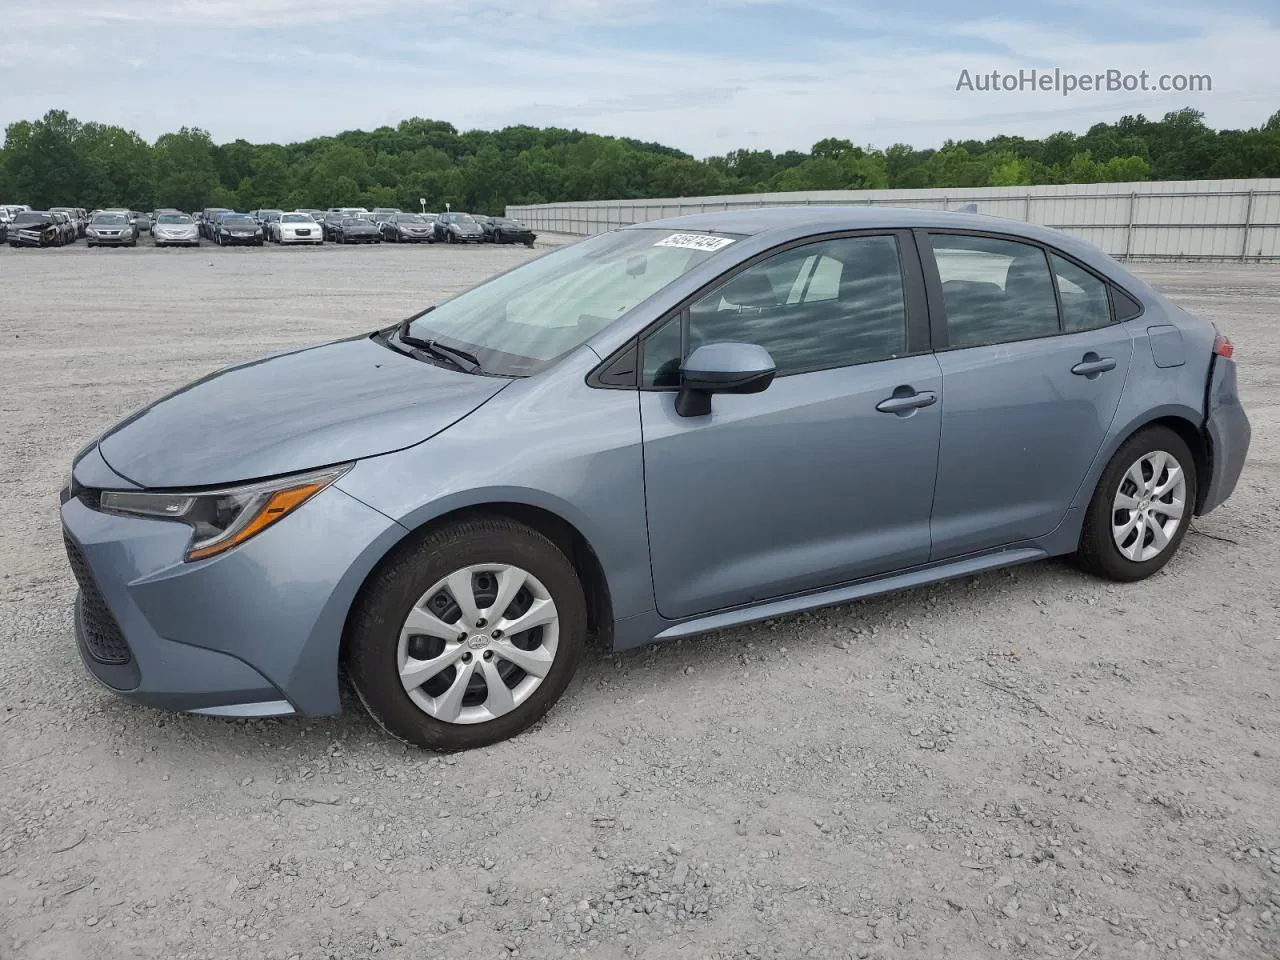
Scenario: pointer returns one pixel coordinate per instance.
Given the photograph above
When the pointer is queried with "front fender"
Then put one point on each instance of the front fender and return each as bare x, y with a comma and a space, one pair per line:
549, 442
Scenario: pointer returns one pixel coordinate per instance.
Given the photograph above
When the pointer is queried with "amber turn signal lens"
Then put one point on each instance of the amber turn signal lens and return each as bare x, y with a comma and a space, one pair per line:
278, 506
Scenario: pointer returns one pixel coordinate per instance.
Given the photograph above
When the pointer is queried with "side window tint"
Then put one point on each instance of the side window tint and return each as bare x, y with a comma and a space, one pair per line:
995, 291
822, 305
1084, 296
662, 356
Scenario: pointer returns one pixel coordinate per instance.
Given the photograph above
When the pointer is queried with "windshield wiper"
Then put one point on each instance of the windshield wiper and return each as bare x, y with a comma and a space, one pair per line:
466, 362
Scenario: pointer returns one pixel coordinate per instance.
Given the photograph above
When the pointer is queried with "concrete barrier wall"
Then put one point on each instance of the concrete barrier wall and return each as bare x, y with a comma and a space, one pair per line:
1173, 220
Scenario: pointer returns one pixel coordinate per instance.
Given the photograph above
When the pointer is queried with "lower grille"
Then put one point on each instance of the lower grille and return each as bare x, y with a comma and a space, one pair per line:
102, 635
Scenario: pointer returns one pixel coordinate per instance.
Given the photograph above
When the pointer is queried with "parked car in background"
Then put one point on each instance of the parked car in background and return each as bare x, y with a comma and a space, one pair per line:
357, 230
37, 228
206, 220
175, 230
111, 230
265, 218
142, 221
458, 228
329, 225
407, 228
237, 229
504, 230
381, 214
297, 227
67, 225
73, 214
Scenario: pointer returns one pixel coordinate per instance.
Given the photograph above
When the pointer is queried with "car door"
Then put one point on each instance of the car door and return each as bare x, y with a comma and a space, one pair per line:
825, 477
1032, 371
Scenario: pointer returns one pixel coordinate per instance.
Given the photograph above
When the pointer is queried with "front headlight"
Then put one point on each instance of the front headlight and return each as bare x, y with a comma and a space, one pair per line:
222, 519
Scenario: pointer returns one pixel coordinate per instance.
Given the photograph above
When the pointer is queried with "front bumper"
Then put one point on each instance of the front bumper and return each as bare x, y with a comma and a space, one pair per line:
236, 241
314, 237
26, 240
254, 631
1229, 434
191, 240
120, 240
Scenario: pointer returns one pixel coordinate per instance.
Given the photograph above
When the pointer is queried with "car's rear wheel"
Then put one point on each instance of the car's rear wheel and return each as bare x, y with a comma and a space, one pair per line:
1141, 508
468, 637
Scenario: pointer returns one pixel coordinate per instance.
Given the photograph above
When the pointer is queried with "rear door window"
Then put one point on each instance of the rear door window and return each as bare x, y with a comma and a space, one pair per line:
994, 290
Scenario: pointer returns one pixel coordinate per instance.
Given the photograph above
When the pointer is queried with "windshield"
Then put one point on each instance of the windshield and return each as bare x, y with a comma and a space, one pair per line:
108, 219
295, 218
35, 217
237, 219
408, 218
173, 218
522, 321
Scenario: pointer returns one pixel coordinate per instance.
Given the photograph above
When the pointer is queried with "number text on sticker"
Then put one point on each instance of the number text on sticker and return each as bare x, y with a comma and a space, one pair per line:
694, 241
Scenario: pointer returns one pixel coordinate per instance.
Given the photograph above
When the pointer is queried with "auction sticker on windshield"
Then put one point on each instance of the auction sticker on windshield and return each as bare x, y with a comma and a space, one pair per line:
694, 241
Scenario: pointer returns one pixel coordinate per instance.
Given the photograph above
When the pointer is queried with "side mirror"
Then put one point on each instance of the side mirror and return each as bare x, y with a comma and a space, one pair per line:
727, 367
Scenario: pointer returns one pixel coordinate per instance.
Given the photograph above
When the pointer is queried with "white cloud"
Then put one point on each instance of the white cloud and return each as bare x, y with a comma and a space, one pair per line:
487, 63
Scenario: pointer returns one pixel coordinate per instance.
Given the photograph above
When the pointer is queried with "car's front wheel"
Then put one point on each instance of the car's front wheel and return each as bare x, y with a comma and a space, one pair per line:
1141, 508
469, 636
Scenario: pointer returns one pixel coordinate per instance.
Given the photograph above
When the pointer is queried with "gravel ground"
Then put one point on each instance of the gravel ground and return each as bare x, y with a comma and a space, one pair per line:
1029, 763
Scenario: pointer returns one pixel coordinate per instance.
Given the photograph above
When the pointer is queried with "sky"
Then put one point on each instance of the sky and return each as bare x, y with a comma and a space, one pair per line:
706, 76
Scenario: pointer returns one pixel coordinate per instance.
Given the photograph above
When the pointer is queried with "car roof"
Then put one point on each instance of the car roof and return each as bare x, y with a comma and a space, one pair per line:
758, 220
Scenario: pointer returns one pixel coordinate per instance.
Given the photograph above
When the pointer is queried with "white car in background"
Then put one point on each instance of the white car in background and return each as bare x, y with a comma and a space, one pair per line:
296, 227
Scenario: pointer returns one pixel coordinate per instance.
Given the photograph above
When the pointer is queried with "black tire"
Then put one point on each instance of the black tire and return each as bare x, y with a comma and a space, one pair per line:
373, 631
1098, 553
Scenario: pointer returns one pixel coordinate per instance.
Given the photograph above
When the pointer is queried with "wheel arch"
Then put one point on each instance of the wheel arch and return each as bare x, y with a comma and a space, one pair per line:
567, 537
1182, 420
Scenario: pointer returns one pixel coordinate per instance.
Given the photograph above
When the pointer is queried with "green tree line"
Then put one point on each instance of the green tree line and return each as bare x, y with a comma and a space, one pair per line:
60, 161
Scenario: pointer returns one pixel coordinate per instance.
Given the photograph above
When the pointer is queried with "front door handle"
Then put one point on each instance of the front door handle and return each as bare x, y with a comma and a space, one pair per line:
906, 401
1092, 365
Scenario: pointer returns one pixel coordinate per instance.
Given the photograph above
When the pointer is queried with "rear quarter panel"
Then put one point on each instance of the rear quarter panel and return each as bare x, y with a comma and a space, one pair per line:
1152, 390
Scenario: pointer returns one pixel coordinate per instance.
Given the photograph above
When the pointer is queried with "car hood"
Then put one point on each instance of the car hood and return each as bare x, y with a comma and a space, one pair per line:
291, 412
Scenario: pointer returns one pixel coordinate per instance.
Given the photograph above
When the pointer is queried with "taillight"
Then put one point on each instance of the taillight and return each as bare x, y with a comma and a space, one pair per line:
1222, 346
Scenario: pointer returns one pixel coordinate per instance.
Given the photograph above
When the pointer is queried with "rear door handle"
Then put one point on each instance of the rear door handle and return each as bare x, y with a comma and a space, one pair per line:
1091, 365
904, 403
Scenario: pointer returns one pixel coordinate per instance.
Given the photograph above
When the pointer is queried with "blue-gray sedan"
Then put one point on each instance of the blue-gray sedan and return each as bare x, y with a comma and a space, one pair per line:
667, 429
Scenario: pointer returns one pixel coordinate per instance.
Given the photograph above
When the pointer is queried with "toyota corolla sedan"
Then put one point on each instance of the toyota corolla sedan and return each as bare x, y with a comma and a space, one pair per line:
672, 428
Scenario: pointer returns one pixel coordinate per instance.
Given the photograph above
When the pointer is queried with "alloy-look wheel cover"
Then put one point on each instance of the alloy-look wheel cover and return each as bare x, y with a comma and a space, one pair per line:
1148, 506
478, 643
